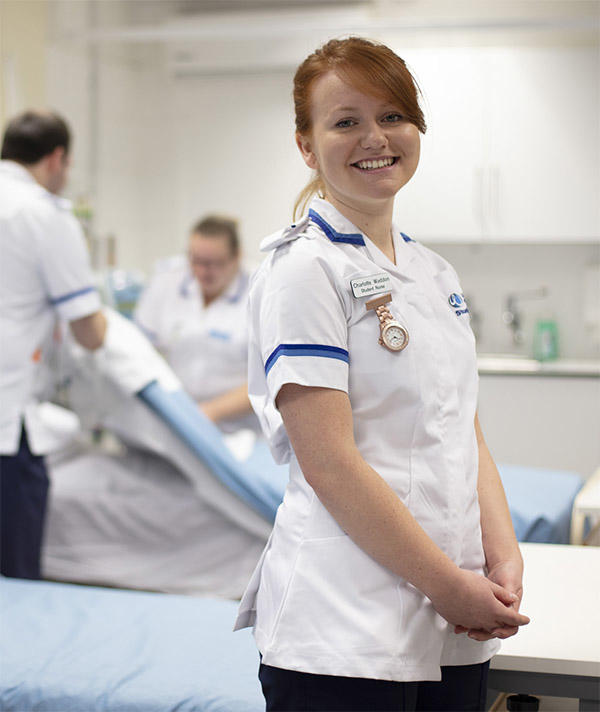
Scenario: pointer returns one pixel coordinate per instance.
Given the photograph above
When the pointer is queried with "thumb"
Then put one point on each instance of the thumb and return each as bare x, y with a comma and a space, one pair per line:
504, 595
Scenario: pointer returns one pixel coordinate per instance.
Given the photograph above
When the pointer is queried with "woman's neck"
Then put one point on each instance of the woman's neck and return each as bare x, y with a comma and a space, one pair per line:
374, 222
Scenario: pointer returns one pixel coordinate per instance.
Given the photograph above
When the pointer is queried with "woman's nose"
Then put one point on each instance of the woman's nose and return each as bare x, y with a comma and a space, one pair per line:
373, 137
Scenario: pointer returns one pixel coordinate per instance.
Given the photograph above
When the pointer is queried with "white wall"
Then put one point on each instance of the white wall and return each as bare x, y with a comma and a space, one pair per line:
173, 150
23, 33
235, 151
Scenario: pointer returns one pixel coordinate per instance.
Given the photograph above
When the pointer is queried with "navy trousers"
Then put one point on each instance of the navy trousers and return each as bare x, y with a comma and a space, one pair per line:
462, 688
23, 495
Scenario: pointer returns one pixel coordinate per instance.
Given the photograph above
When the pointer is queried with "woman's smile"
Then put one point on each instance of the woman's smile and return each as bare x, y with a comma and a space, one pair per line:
375, 164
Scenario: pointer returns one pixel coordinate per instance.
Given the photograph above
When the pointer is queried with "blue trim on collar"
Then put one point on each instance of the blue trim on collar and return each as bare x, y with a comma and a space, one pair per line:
305, 350
333, 235
406, 238
184, 287
243, 283
72, 295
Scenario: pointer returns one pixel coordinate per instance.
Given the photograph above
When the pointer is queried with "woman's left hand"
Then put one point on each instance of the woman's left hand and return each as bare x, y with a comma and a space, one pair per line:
508, 574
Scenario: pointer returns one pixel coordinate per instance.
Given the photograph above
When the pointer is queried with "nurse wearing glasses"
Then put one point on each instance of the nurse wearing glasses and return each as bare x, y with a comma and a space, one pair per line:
392, 569
194, 312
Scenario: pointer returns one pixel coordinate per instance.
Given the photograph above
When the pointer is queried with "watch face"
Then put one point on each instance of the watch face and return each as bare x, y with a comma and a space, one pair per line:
395, 336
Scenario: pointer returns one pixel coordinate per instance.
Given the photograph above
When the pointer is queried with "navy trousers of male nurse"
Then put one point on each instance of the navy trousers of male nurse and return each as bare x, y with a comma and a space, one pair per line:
462, 688
23, 496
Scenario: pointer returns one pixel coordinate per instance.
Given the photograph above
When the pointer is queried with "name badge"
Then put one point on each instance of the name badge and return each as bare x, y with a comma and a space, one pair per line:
371, 285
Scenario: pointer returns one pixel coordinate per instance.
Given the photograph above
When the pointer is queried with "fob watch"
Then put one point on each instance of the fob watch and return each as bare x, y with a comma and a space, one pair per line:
393, 335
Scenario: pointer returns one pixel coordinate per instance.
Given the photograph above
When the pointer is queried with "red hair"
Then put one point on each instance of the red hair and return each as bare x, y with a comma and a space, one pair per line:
368, 66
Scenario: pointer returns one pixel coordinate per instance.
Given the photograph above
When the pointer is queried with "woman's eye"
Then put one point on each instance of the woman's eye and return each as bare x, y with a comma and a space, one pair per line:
393, 117
345, 123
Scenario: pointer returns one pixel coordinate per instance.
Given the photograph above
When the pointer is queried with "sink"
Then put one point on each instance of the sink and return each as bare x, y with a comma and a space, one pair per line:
523, 365
504, 356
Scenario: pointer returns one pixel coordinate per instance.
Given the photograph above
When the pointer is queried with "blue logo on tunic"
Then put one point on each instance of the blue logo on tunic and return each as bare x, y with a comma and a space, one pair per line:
223, 335
456, 300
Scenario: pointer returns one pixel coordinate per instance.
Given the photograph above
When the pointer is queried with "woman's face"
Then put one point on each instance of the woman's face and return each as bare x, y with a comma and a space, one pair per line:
362, 146
212, 263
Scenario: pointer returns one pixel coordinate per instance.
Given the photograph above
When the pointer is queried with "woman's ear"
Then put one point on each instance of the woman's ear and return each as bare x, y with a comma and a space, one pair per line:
305, 147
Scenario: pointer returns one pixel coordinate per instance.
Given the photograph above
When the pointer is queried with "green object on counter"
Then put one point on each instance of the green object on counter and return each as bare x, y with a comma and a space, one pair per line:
545, 340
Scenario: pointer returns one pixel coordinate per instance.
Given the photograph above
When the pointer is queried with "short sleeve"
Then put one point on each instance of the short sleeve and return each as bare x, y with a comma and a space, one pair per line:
298, 334
65, 267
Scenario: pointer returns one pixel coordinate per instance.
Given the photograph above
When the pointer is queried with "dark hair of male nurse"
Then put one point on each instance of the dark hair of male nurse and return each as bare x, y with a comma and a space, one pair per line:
32, 135
40, 141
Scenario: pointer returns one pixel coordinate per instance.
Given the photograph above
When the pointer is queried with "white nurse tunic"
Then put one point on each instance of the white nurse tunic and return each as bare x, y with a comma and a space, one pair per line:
319, 603
206, 346
45, 277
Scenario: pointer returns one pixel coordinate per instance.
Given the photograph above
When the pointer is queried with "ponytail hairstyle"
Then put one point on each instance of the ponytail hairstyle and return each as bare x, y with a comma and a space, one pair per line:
368, 66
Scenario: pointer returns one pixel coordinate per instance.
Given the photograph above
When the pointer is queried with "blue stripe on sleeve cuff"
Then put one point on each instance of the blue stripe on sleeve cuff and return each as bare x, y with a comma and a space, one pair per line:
321, 350
71, 295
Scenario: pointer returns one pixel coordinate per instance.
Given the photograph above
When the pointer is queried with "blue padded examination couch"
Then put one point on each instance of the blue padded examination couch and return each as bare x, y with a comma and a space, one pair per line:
67, 648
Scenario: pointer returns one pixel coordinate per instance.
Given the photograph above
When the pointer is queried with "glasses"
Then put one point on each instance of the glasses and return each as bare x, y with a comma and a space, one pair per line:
210, 264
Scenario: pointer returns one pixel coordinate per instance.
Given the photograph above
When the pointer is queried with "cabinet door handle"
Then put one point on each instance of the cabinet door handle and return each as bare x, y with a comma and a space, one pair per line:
486, 201
479, 199
495, 197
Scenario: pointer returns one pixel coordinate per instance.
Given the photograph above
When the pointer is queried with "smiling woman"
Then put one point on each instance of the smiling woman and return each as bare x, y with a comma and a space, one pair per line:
392, 568
372, 71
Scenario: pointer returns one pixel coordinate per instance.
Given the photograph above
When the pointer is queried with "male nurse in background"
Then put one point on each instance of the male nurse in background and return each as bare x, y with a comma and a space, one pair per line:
45, 276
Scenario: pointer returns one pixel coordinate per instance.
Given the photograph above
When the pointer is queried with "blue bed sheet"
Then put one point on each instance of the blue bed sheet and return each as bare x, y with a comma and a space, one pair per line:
540, 502
66, 648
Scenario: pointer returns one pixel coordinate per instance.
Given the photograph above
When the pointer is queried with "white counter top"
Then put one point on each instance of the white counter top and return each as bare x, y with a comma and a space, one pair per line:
560, 594
507, 365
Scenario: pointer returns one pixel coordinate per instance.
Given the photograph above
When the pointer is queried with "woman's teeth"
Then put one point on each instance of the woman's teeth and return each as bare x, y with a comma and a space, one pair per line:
371, 165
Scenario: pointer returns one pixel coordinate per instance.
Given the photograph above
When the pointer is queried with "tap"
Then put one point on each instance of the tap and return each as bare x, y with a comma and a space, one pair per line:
512, 316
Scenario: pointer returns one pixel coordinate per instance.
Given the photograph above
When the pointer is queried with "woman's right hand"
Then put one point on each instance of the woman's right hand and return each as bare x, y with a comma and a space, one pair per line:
472, 601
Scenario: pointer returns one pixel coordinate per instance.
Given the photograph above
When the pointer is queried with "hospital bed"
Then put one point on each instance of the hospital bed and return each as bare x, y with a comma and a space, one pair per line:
184, 509
67, 648
180, 508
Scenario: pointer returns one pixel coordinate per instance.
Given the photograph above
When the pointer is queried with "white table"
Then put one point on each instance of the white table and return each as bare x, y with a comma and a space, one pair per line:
558, 653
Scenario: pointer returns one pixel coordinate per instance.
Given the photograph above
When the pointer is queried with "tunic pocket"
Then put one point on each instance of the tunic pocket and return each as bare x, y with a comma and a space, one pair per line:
339, 601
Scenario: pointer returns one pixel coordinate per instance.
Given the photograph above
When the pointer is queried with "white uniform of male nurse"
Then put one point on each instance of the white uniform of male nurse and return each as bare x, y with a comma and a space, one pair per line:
392, 569
45, 277
194, 310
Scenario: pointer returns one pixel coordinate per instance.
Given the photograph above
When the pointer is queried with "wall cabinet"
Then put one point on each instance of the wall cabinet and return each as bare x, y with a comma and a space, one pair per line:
512, 148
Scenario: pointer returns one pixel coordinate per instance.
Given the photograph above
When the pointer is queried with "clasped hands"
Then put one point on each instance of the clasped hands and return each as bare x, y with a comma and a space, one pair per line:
484, 607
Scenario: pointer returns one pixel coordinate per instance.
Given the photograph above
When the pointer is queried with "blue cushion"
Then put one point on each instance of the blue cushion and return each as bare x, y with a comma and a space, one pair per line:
540, 502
